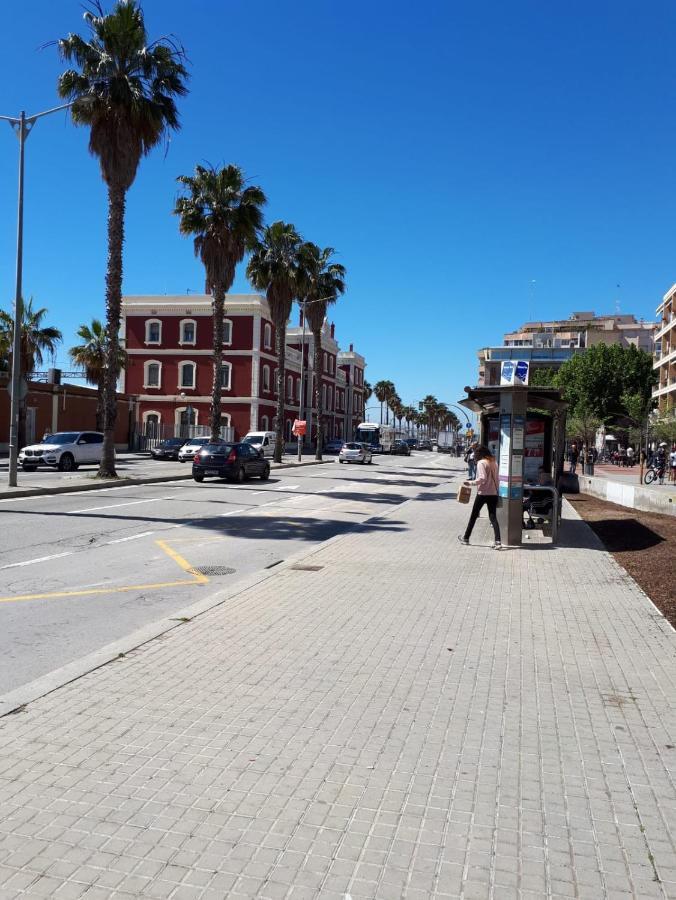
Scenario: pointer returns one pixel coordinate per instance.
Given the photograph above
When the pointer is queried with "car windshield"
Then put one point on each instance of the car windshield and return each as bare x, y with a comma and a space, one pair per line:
198, 442
217, 448
253, 439
63, 437
353, 447
173, 442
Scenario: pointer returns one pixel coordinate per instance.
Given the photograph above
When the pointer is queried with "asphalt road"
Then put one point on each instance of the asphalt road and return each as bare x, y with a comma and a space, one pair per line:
79, 570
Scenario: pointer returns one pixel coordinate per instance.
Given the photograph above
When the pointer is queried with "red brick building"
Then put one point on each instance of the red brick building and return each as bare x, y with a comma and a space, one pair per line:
62, 407
169, 368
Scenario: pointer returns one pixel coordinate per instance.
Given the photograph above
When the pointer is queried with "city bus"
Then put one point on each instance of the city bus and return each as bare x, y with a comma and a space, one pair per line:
379, 437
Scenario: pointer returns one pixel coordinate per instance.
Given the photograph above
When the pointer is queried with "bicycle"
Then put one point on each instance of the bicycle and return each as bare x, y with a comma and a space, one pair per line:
653, 473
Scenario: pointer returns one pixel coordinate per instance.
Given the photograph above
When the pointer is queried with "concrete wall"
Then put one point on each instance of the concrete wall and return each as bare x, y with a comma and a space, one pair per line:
634, 496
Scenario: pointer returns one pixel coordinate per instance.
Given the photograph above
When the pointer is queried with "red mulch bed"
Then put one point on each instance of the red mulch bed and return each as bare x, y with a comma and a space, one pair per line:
643, 543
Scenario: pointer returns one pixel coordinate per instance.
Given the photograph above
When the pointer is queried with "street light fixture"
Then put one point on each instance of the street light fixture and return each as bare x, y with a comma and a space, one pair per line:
22, 127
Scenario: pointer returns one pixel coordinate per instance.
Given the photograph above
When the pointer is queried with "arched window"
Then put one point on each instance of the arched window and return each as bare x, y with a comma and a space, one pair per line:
330, 397
289, 388
153, 331
227, 332
274, 378
185, 419
331, 364
152, 374
264, 423
287, 430
226, 375
186, 374
187, 332
323, 396
324, 358
266, 379
267, 336
151, 423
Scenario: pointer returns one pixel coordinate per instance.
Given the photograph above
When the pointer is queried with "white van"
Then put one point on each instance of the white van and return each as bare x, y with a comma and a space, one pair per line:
262, 440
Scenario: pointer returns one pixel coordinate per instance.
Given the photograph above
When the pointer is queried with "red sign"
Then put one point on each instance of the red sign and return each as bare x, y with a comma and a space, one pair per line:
299, 427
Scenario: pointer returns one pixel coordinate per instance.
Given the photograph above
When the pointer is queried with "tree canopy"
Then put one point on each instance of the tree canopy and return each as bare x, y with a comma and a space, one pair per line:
601, 381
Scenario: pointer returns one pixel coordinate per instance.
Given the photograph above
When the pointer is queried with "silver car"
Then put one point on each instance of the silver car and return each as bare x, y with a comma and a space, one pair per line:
353, 452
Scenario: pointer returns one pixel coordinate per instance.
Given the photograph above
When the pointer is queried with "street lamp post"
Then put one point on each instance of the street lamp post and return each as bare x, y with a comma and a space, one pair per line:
22, 126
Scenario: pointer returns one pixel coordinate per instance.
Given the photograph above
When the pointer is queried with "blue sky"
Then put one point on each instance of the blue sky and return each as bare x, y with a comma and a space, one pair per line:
452, 152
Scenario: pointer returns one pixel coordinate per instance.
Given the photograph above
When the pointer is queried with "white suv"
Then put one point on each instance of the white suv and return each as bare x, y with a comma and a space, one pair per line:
65, 450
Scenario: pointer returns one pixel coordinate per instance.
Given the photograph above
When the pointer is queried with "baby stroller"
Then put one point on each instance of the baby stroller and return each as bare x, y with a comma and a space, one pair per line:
537, 507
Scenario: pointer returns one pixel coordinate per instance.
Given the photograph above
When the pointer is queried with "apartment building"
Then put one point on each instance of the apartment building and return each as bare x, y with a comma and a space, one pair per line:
168, 340
665, 353
548, 345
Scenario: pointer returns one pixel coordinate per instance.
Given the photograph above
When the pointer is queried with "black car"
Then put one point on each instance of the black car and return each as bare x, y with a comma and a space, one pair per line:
232, 461
412, 443
424, 445
401, 448
168, 449
334, 446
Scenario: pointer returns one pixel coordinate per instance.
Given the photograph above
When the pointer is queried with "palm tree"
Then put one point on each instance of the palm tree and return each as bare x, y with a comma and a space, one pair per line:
429, 405
409, 415
367, 391
383, 391
273, 268
123, 88
36, 340
321, 283
91, 356
225, 218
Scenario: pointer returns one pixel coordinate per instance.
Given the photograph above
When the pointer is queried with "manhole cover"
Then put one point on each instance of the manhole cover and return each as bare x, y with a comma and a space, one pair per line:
214, 570
300, 568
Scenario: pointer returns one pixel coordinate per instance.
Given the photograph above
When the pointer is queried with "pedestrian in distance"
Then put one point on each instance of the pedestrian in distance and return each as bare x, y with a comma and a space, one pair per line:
471, 462
573, 456
630, 456
672, 463
487, 494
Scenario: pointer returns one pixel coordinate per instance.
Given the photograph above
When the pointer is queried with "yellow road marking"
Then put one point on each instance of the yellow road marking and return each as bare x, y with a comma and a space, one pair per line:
184, 564
197, 578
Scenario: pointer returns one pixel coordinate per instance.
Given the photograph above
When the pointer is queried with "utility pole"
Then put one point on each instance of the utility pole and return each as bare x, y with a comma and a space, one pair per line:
22, 126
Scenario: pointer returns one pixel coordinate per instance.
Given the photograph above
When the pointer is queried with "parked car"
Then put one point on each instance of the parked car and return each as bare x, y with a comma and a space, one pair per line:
232, 461
412, 443
333, 446
353, 452
400, 448
424, 445
191, 447
168, 449
65, 450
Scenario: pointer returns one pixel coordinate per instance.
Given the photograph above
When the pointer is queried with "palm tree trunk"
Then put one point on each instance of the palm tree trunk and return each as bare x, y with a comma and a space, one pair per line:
280, 347
317, 340
116, 205
381, 412
218, 306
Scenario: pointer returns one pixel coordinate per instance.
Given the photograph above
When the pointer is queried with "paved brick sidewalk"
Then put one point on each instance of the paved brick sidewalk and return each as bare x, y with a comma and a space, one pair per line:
416, 719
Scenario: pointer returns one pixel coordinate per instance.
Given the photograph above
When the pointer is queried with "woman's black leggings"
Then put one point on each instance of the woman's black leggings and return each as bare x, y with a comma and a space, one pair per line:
492, 503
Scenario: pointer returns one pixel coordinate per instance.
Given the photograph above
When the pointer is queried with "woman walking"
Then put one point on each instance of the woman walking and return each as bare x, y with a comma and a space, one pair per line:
487, 494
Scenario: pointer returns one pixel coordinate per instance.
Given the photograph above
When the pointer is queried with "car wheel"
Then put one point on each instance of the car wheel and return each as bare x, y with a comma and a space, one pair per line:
198, 476
265, 474
66, 463
239, 478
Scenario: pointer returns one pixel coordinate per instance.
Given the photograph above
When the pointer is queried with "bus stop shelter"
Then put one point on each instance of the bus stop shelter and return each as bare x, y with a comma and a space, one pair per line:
525, 428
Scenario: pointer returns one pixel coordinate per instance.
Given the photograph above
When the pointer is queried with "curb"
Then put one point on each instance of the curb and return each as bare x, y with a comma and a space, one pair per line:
17, 700
128, 482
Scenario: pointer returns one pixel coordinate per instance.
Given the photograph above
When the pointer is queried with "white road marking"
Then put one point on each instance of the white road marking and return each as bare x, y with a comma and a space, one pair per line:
29, 562
116, 505
132, 537
232, 512
289, 487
